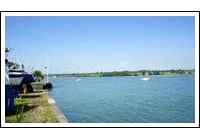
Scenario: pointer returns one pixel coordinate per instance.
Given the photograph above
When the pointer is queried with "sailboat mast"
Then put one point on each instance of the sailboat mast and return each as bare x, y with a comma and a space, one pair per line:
47, 80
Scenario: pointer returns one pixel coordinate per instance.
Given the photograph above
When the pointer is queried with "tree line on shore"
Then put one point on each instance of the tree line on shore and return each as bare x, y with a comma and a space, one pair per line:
128, 73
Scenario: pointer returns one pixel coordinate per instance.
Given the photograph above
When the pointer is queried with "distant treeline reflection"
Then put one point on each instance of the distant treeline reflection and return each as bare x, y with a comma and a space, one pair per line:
128, 73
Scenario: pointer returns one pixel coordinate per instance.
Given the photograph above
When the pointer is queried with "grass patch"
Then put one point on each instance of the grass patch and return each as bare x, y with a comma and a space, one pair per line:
32, 110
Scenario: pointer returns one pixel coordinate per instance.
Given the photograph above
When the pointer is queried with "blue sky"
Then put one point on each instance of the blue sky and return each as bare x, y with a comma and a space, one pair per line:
91, 44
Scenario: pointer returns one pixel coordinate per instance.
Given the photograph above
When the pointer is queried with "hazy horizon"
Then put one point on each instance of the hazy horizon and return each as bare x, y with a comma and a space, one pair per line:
95, 44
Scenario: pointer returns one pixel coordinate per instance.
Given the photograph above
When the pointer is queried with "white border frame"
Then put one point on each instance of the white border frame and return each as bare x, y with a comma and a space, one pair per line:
195, 14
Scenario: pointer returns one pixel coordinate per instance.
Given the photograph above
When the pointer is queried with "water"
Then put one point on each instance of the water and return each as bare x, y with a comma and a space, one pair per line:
161, 99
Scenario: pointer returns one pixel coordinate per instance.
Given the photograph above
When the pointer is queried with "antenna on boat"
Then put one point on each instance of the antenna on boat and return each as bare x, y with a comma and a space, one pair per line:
7, 50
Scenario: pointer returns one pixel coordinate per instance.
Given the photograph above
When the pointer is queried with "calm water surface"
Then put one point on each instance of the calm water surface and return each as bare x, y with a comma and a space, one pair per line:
162, 99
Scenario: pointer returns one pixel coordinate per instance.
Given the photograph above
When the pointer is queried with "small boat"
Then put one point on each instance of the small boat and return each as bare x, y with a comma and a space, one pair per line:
145, 79
54, 76
77, 79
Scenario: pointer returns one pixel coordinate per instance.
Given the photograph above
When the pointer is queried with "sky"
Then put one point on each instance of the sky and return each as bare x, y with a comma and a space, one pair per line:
95, 44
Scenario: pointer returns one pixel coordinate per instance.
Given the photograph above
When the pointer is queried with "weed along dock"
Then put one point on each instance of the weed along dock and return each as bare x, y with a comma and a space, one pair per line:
35, 107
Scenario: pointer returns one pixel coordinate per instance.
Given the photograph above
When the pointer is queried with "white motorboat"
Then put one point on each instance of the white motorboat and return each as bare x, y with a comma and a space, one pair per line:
145, 79
18, 76
54, 76
78, 80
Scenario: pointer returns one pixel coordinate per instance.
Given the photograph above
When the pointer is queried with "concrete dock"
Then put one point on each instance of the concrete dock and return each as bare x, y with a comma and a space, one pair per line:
56, 109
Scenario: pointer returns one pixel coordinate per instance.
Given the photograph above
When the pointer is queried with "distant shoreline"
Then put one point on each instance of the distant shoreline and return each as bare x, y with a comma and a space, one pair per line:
128, 73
